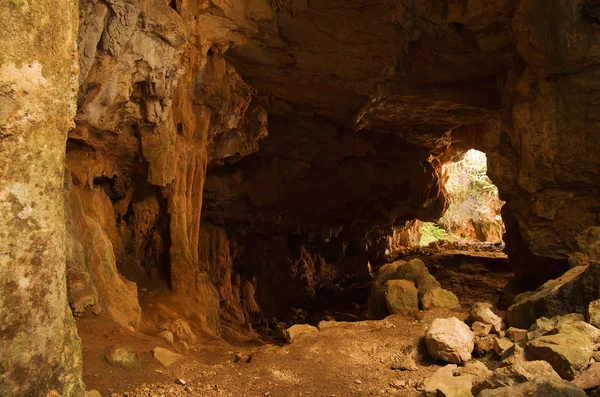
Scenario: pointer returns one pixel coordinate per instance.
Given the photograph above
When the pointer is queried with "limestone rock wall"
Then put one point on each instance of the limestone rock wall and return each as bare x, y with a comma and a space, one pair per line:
40, 352
157, 102
544, 151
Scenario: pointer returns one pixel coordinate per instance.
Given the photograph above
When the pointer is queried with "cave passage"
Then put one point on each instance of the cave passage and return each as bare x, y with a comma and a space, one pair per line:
474, 210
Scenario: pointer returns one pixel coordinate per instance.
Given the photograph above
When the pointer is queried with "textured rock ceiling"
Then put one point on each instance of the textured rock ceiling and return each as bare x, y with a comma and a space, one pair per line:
424, 68
359, 95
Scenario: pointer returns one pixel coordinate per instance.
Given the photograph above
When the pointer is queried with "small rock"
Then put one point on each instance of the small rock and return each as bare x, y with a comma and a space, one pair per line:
280, 333
443, 383
513, 355
482, 312
478, 371
165, 356
92, 393
182, 347
357, 381
594, 313
589, 379
450, 340
123, 356
501, 345
540, 327
484, 346
298, 329
516, 334
401, 297
181, 329
167, 336
404, 363
398, 384
180, 382
481, 329
242, 358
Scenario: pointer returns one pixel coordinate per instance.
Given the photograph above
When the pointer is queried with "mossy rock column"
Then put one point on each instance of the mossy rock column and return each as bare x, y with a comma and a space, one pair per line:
40, 353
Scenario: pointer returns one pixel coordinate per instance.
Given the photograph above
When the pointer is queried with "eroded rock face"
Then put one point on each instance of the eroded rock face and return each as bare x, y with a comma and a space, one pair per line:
40, 351
543, 151
157, 103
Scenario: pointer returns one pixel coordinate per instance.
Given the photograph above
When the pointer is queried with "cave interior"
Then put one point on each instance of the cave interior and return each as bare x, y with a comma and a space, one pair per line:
223, 170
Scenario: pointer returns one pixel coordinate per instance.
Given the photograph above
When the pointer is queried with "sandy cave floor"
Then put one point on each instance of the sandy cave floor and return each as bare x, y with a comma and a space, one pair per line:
345, 359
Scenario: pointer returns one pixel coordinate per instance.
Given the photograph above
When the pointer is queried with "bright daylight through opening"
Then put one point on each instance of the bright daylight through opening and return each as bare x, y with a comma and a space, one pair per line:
474, 211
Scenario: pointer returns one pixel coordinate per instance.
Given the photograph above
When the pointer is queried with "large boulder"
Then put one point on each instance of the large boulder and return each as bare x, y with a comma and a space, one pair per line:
450, 340
429, 291
377, 303
401, 297
540, 387
439, 297
413, 270
570, 293
416, 271
517, 373
569, 350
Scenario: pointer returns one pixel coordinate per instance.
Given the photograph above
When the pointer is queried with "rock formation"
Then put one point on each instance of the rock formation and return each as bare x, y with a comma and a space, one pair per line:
245, 152
40, 352
542, 151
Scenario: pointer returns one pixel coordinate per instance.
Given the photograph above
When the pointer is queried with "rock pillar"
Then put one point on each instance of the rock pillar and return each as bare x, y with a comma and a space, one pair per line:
40, 353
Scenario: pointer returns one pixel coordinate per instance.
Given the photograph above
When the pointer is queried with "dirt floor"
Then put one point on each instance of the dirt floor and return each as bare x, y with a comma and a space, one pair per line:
342, 359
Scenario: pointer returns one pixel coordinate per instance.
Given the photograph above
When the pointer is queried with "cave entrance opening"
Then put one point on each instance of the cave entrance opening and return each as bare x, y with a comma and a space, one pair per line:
473, 215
